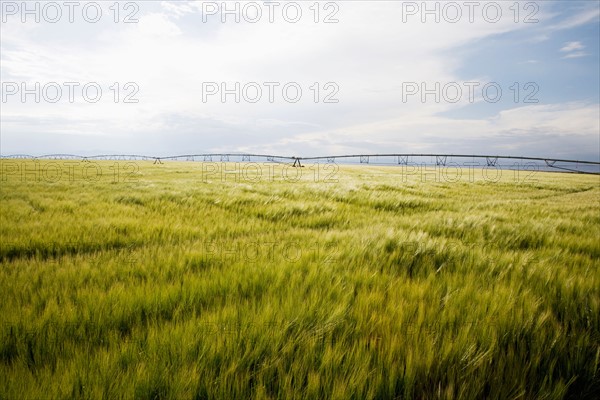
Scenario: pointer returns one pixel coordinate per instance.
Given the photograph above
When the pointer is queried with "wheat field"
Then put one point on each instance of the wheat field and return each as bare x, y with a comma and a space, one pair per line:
123, 279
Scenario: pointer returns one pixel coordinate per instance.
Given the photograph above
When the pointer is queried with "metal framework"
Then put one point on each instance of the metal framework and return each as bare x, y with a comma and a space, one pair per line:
491, 161
441, 160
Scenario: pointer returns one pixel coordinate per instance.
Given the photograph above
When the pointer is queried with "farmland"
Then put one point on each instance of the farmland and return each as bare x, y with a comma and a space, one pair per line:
196, 280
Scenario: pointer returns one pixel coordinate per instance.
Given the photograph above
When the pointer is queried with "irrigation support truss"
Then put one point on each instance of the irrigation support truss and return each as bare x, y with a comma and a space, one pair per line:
398, 158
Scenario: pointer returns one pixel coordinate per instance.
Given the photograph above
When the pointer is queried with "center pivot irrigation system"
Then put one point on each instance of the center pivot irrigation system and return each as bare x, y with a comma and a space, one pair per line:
406, 159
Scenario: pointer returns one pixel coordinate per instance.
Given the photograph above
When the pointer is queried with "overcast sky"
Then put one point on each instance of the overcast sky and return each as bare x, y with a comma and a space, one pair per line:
368, 62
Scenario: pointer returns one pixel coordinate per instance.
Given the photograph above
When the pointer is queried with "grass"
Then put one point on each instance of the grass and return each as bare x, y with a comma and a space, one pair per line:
192, 280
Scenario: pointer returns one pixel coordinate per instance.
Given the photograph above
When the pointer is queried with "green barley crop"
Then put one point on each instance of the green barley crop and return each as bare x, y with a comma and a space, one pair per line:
194, 280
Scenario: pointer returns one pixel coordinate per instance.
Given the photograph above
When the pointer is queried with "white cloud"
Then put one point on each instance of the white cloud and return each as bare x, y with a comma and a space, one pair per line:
180, 8
576, 54
573, 50
590, 14
572, 46
369, 54
550, 125
158, 25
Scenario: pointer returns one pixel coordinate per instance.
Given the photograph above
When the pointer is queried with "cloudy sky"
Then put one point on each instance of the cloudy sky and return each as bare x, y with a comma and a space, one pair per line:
299, 78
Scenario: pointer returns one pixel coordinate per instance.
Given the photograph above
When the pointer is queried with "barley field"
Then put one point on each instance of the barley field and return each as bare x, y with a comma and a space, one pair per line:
128, 279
